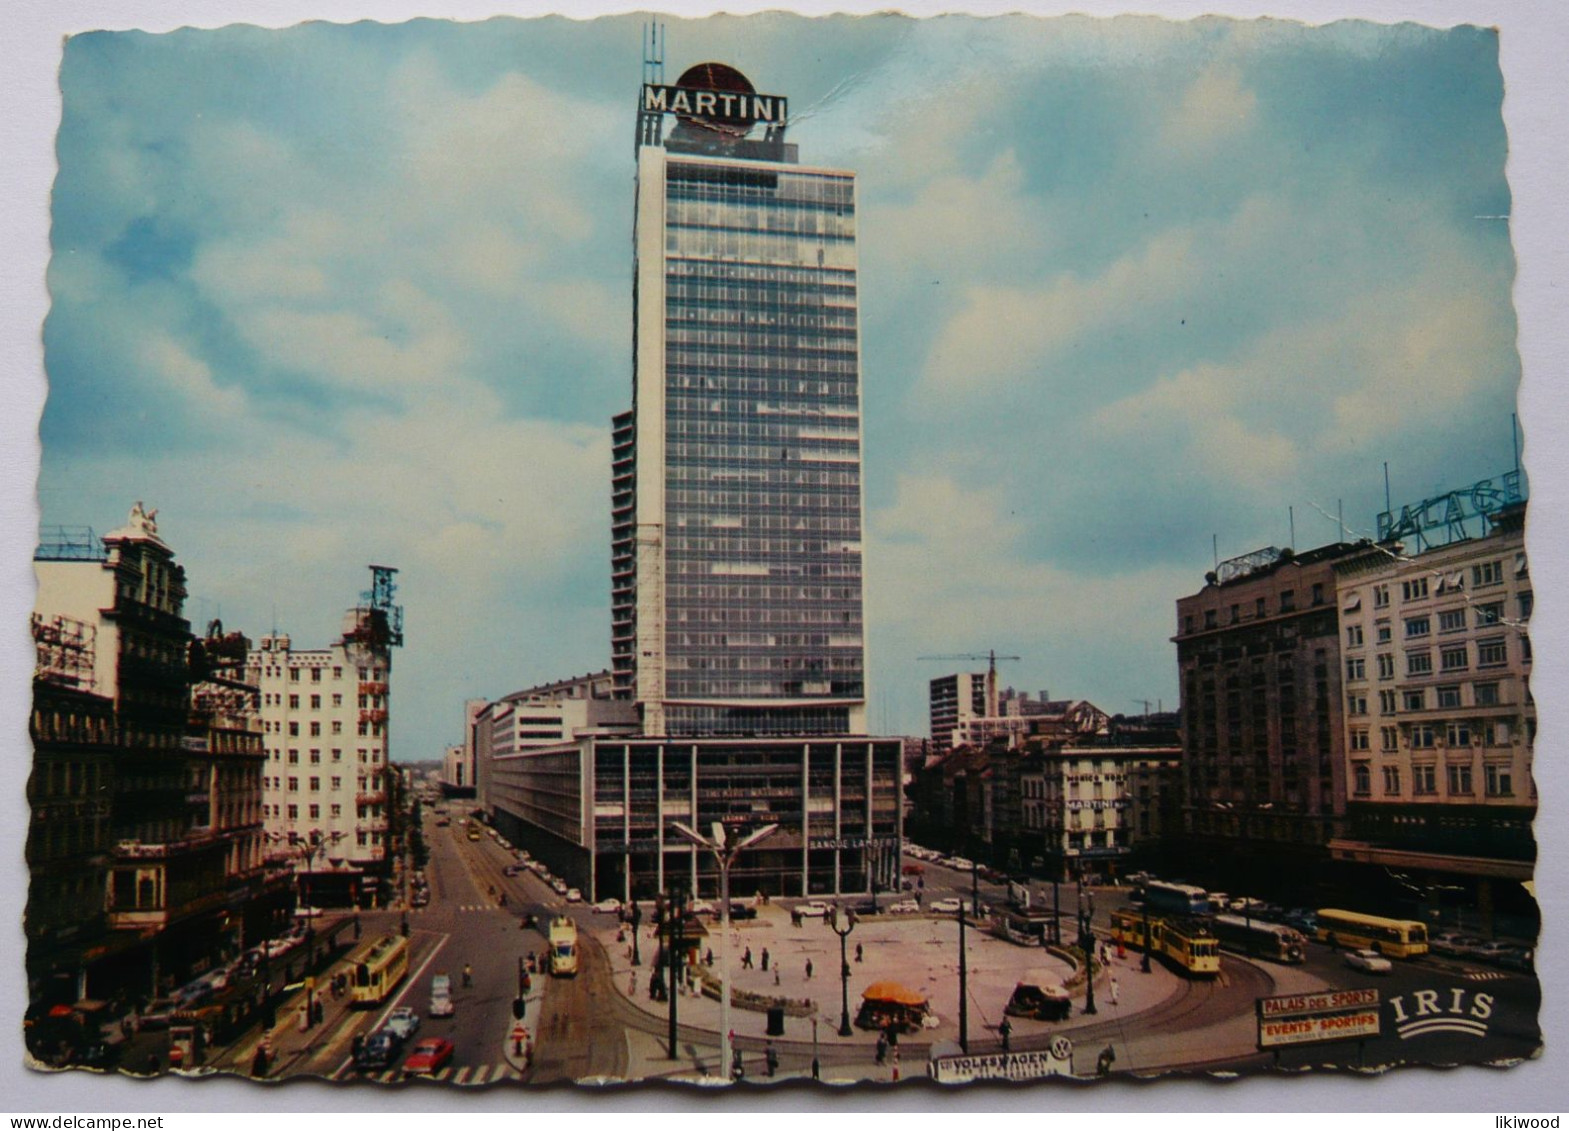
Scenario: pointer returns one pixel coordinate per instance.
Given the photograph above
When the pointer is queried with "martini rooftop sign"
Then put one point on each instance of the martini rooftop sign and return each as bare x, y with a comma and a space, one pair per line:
717, 105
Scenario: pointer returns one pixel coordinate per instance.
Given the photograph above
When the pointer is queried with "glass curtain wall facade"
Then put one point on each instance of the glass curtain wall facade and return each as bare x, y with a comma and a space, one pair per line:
737, 560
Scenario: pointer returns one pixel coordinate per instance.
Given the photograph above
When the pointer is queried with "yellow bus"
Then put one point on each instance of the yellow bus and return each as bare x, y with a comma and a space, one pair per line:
378, 967
1393, 938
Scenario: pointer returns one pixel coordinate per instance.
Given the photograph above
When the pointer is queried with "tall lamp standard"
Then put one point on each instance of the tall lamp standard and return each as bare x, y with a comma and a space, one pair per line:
725, 854
637, 919
1087, 944
844, 967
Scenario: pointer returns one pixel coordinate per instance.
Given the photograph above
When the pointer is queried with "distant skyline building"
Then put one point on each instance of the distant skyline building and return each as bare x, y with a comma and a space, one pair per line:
325, 716
737, 492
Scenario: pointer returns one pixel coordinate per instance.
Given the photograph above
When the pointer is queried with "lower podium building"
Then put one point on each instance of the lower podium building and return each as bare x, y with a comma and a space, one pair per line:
598, 811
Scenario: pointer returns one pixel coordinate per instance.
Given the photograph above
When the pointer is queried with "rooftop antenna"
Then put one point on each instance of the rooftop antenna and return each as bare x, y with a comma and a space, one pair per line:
1291, 518
1514, 437
1389, 506
1214, 549
1340, 517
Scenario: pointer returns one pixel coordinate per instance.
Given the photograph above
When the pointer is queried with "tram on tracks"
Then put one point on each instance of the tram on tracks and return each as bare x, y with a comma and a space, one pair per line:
1188, 944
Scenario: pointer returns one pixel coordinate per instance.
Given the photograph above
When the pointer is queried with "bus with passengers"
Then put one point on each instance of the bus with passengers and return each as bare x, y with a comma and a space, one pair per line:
1164, 898
1262, 940
378, 966
1393, 938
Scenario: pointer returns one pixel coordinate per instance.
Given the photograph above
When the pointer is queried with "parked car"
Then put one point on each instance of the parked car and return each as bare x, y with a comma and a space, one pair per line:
814, 909
574, 895
401, 1022
512, 869
558, 886
915, 869
441, 996
1369, 961
958, 863
1302, 919
701, 907
905, 907
949, 906
611, 906
429, 1057
420, 898
1517, 958
378, 1052
740, 912
1444, 943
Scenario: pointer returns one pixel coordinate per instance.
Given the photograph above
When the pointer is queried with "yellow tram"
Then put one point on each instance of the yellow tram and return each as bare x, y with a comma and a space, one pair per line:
1185, 943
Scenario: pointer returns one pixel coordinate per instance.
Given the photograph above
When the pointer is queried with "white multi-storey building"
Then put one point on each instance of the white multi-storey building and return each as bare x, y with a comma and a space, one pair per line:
324, 719
736, 512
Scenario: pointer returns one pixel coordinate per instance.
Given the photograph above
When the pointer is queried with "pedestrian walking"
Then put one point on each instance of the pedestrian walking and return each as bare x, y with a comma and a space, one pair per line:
1113, 987
746, 959
882, 1048
776, 975
771, 1058
858, 952
808, 969
1005, 1030
765, 958
708, 959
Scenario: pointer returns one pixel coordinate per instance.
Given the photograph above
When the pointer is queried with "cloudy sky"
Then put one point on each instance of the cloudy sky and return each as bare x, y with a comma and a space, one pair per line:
335, 295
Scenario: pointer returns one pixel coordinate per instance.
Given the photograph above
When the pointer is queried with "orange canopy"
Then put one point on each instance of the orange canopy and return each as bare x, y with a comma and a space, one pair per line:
894, 992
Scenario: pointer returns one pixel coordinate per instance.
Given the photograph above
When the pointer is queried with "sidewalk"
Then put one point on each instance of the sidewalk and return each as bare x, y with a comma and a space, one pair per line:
918, 952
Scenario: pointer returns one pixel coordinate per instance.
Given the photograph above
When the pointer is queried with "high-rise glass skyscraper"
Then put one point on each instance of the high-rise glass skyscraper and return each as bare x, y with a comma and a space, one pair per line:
736, 569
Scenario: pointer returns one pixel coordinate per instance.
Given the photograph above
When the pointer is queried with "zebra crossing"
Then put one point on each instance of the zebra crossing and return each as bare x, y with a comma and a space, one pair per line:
468, 1075
459, 907
1484, 975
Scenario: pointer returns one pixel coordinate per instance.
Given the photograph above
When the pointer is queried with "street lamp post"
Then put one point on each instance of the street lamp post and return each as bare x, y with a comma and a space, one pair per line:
1087, 944
844, 968
964, 989
817, 1068
675, 940
1145, 965
725, 854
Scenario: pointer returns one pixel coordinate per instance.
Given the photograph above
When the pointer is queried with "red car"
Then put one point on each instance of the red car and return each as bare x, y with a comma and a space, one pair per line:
429, 1057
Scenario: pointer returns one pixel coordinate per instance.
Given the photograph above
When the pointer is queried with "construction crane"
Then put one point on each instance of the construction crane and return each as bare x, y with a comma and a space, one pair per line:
991, 659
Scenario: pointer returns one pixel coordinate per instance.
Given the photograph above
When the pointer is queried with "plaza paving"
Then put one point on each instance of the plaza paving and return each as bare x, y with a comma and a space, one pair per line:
920, 953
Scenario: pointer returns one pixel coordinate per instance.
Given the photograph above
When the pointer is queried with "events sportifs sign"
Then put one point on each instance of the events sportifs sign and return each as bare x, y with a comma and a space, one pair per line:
1309, 1019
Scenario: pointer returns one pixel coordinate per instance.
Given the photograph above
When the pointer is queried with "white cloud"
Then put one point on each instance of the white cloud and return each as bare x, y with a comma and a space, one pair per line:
1214, 109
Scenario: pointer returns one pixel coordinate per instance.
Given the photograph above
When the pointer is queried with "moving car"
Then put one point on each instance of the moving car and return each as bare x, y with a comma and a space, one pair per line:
1369, 961
1040, 995
429, 1057
814, 909
379, 1051
948, 906
512, 869
441, 996
905, 907
401, 1023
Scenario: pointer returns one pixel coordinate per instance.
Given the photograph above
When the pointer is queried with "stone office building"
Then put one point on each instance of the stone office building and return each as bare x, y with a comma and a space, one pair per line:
1263, 713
